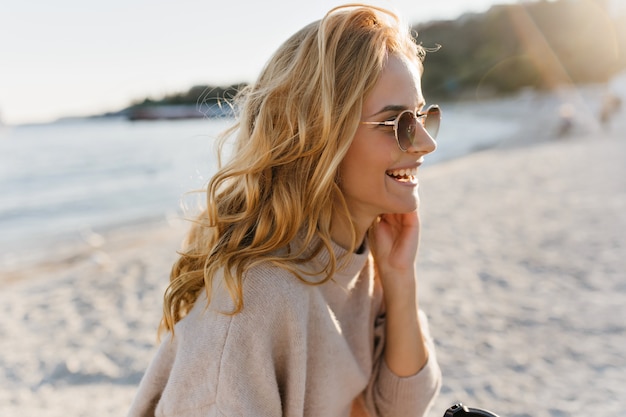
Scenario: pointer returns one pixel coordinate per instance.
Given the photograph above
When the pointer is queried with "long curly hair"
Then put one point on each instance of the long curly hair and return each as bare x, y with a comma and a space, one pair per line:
296, 124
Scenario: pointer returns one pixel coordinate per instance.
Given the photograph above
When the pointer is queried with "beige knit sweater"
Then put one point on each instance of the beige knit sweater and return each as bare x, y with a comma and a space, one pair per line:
294, 350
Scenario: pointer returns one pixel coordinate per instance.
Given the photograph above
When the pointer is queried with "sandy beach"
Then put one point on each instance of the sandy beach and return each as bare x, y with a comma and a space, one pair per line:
522, 268
524, 278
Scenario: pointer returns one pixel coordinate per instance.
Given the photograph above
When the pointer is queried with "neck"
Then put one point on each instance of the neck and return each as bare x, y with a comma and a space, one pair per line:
342, 229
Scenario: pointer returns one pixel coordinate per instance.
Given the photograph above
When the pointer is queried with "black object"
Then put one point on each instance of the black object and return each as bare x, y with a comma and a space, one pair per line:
459, 410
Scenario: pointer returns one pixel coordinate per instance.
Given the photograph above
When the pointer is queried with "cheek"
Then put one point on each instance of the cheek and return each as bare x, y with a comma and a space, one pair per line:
366, 161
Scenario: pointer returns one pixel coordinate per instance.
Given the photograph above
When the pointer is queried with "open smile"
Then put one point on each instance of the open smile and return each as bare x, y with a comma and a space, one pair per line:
405, 175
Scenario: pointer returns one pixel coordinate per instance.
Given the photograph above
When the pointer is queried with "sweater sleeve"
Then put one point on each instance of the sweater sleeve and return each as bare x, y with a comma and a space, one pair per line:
391, 395
153, 381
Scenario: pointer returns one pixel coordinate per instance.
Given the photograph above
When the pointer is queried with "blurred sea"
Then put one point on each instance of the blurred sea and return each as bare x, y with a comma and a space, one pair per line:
64, 181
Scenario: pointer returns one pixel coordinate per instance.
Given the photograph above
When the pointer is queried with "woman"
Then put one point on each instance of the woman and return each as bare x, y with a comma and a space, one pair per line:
296, 294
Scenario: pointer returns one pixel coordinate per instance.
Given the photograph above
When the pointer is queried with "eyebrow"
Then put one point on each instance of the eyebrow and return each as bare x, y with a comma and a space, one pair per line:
397, 108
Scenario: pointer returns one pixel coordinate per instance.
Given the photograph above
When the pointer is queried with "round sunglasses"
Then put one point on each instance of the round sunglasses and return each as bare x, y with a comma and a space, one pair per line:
405, 125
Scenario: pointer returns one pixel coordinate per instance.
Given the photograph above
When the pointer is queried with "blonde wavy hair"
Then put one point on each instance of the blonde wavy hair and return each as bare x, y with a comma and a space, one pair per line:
296, 123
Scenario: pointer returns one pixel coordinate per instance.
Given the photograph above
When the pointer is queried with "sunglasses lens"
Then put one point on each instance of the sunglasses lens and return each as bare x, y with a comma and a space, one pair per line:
407, 124
432, 121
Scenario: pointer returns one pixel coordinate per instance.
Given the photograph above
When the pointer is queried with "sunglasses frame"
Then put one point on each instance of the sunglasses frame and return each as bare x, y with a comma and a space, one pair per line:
430, 111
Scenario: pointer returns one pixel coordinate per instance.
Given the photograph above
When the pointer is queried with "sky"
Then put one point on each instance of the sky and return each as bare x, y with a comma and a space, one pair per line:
74, 57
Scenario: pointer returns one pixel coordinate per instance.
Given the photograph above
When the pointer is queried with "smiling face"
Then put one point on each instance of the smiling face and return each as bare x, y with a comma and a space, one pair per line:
376, 176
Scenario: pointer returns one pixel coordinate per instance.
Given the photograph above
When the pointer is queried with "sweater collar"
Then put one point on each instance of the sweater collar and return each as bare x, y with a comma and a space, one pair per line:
349, 265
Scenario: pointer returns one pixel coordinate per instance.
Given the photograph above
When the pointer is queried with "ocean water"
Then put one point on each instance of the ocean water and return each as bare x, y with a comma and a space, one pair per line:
60, 182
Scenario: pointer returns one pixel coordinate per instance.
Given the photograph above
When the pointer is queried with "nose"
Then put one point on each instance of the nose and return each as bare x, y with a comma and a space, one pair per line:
423, 143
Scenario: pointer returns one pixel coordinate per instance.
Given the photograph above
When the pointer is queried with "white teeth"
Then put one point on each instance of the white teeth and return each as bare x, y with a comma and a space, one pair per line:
403, 172
404, 175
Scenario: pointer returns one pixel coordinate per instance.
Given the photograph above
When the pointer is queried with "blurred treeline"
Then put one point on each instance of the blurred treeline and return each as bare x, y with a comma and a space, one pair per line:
196, 95
539, 45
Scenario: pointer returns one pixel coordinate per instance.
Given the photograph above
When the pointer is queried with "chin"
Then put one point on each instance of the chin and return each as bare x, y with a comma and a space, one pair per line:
407, 207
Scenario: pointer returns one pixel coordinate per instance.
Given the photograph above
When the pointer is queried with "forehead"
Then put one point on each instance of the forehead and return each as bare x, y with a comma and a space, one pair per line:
399, 84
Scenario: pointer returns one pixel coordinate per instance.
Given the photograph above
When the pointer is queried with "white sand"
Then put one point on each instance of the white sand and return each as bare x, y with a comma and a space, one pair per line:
523, 273
524, 276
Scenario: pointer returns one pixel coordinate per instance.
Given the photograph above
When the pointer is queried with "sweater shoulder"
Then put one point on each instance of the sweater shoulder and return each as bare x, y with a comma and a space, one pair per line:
214, 347
265, 284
